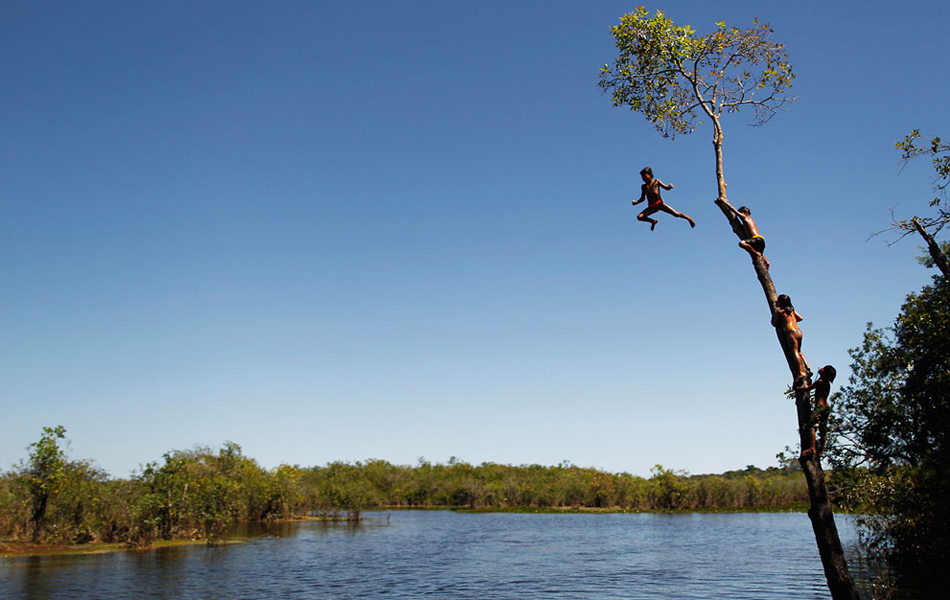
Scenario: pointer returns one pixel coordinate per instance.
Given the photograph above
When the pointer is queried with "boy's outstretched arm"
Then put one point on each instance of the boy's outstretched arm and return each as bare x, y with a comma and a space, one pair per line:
665, 186
643, 195
732, 209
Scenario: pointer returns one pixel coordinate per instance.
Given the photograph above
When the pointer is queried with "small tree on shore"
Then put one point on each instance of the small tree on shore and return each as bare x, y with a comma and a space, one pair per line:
44, 474
676, 79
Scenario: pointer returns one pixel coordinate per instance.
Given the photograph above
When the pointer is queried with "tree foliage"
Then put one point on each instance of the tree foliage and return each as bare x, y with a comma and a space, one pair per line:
44, 474
200, 493
674, 77
939, 153
929, 226
896, 408
892, 435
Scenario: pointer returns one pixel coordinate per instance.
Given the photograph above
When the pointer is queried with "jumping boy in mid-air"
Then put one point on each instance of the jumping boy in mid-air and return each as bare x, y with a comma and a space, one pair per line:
650, 191
822, 387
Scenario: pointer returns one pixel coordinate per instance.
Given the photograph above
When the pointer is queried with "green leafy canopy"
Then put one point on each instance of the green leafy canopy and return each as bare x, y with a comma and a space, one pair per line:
673, 76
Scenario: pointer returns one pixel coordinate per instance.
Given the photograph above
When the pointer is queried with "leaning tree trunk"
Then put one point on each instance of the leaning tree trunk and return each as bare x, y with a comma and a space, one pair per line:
939, 258
839, 578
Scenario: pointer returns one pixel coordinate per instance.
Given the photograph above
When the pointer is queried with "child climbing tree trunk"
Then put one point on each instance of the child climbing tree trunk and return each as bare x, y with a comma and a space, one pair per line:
674, 78
822, 518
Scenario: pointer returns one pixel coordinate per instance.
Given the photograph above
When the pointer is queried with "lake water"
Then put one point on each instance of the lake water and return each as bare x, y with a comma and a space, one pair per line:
447, 555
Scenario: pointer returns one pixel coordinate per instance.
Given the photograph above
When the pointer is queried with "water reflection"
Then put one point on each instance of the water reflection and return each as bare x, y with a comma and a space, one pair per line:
451, 556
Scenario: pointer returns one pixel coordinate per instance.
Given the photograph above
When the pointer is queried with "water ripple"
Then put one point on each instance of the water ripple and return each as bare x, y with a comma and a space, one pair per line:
450, 556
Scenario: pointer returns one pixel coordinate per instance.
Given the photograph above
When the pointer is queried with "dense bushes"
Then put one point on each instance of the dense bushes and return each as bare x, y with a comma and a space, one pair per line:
200, 493
191, 494
891, 441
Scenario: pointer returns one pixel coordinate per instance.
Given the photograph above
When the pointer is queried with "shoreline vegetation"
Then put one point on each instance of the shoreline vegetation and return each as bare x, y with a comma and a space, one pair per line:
50, 504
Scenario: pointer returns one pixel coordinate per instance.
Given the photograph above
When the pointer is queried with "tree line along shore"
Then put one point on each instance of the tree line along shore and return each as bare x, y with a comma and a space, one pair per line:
199, 494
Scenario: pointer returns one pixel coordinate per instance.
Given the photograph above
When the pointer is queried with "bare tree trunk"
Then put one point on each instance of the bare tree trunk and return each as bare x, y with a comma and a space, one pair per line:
822, 518
717, 144
39, 513
939, 258
836, 570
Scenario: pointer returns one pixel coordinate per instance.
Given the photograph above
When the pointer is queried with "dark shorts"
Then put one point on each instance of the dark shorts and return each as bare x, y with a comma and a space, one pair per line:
756, 243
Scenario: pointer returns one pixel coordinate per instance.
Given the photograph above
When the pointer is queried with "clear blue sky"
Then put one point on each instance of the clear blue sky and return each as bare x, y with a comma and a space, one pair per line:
372, 229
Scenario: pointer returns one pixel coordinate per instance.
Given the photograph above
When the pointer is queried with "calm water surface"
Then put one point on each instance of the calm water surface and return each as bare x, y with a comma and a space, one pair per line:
421, 554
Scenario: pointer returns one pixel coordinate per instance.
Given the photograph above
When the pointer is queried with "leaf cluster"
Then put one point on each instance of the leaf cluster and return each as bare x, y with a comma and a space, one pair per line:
914, 146
47, 463
939, 153
896, 408
674, 77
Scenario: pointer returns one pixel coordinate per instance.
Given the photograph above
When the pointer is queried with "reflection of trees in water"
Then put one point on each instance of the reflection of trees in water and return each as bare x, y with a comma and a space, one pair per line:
414, 553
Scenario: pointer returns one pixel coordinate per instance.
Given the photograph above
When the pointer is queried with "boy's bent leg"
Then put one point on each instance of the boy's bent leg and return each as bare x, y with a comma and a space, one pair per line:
645, 217
753, 252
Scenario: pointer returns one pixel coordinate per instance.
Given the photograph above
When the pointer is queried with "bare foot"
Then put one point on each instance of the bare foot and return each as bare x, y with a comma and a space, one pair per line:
692, 223
653, 224
809, 453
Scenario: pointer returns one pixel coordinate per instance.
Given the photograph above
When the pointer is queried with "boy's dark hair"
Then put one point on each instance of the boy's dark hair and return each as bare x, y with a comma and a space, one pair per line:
830, 372
783, 301
745, 210
647, 170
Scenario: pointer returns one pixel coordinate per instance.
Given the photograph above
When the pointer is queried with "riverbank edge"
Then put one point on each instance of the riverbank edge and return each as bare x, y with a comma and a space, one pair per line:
9, 549
12, 549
